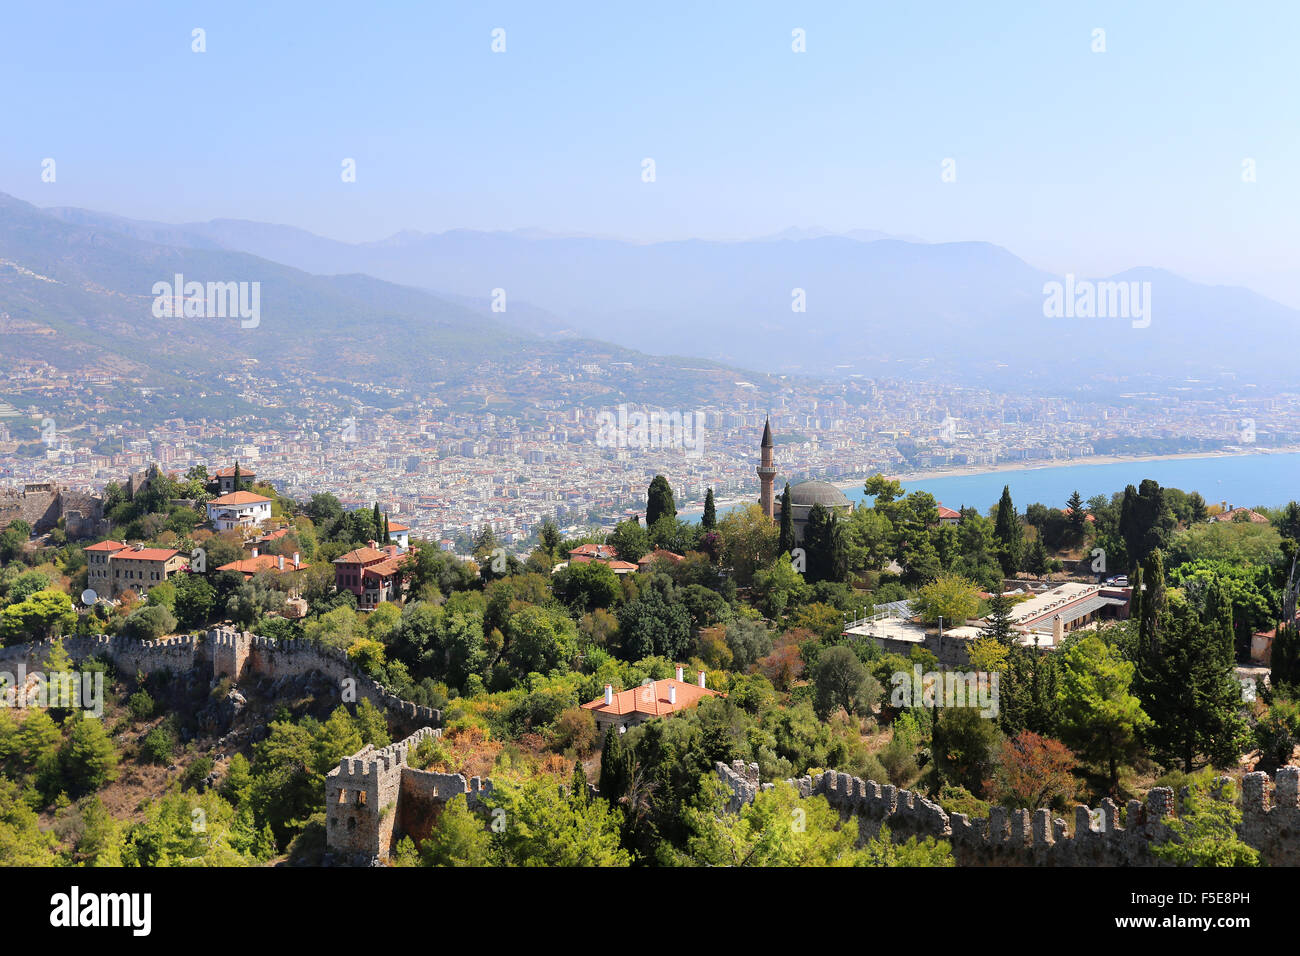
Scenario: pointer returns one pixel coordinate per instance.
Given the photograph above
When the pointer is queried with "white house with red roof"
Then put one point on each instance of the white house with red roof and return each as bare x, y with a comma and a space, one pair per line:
949, 517
239, 509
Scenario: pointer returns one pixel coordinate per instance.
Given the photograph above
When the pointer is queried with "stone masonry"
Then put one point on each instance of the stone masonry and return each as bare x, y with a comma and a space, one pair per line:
1016, 837
238, 655
374, 798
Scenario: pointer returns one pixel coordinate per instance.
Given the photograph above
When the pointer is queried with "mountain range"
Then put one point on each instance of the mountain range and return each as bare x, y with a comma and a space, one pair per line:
875, 305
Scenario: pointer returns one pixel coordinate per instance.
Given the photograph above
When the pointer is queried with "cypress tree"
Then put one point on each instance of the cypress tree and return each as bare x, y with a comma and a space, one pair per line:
378, 521
1186, 678
786, 542
710, 519
659, 501
1009, 534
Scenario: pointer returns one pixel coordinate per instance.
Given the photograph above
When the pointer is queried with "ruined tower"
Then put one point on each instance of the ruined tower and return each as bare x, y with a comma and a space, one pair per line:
767, 473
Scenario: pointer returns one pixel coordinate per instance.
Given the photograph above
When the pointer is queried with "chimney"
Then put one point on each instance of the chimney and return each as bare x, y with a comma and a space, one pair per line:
254, 552
280, 562
374, 545
681, 671
701, 678
295, 559
609, 695
672, 694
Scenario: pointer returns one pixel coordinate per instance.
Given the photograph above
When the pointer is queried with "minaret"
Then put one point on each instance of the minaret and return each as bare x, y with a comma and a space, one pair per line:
767, 473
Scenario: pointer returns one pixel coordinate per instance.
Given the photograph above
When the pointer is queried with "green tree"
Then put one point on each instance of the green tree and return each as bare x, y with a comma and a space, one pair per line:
655, 623
841, 680
951, 597
659, 501
630, 540
1186, 678
45, 614
786, 541
1008, 534
1078, 517
1100, 719
89, 757
544, 827
461, 838
1205, 832
710, 519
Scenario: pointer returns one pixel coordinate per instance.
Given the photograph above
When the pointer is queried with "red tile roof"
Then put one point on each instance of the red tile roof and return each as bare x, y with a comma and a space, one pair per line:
239, 498
661, 554
107, 546
263, 562
145, 554
360, 556
651, 699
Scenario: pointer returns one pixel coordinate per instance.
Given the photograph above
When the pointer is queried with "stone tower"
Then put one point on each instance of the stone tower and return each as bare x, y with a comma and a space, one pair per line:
767, 473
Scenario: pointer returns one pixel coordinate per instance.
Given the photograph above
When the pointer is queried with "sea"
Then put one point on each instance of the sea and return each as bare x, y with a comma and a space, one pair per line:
1263, 480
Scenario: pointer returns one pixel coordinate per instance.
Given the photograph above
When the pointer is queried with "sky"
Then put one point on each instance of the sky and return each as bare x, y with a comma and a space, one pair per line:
1075, 160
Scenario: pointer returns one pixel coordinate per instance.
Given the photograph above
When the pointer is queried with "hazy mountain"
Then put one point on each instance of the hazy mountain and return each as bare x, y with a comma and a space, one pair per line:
77, 290
963, 311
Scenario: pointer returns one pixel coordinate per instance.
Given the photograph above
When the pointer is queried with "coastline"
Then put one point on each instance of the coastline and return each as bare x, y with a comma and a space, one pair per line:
1039, 465
960, 471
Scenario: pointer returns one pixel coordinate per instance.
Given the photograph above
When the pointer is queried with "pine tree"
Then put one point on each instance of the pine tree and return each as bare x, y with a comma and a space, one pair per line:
378, 520
786, 542
386, 537
1077, 514
997, 624
236, 485
1036, 560
710, 519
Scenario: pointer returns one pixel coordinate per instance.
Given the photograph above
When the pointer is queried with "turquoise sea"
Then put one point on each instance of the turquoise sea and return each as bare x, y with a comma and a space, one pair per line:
1267, 480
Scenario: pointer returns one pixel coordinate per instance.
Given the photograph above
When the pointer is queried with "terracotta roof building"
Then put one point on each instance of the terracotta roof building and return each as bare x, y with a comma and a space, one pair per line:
661, 698
239, 509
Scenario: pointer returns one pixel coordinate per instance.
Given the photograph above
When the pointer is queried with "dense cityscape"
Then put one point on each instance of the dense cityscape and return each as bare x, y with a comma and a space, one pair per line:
449, 473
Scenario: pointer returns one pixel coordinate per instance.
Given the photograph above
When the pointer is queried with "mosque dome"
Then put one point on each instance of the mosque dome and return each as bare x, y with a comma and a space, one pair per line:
809, 493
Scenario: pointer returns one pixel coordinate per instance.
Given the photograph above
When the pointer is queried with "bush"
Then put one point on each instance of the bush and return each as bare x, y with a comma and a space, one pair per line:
140, 704
575, 729
197, 772
159, 745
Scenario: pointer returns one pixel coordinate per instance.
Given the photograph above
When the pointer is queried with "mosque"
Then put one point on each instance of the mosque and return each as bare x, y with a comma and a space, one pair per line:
802, 496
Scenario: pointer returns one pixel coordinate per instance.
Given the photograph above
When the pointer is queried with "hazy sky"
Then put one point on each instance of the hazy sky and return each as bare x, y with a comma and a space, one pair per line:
1074, 160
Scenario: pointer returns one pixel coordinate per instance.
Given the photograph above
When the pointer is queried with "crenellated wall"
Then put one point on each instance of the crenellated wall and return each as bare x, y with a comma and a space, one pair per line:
230, 653
1016, 837
373, 798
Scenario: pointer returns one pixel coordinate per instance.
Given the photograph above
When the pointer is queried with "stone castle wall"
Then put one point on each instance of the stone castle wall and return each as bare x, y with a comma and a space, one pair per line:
374, 798
1019, 837
238, 655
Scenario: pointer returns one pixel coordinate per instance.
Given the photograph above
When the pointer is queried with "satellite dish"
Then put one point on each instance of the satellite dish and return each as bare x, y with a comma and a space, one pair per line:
89, 597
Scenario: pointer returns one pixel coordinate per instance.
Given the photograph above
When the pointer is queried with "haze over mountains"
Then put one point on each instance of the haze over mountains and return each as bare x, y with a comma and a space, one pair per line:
880, 306
79, 295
